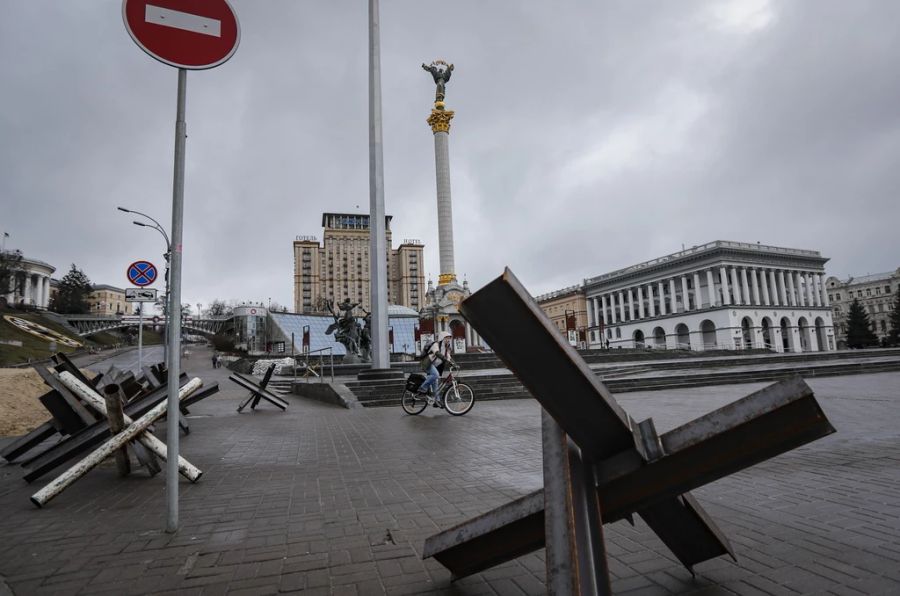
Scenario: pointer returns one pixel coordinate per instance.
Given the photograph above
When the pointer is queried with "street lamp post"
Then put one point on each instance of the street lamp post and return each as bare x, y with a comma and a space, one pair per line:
166, 256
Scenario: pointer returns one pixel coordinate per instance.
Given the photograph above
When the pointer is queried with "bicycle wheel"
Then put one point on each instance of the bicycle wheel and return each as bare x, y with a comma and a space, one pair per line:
459, 400
411, 403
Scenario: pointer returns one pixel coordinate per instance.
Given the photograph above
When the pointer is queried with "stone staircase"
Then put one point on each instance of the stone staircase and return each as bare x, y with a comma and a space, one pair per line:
623, 379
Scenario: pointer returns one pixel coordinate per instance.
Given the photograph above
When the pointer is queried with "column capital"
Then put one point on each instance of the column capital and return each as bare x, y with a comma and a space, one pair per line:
439, 120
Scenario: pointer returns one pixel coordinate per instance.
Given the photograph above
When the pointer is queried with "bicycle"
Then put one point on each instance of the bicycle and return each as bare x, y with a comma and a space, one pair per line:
458, 398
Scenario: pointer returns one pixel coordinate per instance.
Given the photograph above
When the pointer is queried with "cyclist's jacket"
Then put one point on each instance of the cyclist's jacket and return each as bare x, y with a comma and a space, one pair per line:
432, 354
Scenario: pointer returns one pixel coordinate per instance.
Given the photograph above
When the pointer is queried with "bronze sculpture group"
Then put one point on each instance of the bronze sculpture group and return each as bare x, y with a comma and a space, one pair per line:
356, 337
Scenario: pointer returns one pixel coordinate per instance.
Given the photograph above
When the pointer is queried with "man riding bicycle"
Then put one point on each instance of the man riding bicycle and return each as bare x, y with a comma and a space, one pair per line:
437, 354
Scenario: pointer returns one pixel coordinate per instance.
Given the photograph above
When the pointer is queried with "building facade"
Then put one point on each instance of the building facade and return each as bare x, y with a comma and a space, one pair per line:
567, 309
721, 295
30, 283
876, 293
108, 300
338, 268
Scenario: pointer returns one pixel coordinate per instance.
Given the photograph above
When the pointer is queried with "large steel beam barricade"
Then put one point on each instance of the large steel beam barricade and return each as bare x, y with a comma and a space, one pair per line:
95, 434
68, 415
136, 430
78, 429
601, 466
258, 390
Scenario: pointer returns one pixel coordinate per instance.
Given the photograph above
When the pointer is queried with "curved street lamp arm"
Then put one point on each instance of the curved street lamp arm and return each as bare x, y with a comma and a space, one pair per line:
158, 229
157, 226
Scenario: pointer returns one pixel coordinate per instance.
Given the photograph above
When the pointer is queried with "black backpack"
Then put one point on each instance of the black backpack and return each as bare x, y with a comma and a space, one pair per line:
423, 357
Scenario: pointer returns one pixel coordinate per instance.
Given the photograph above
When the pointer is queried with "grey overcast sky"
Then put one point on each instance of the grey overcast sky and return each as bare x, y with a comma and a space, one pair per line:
588, 136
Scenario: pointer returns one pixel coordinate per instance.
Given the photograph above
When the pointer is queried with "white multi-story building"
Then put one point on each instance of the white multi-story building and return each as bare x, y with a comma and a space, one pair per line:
721, 295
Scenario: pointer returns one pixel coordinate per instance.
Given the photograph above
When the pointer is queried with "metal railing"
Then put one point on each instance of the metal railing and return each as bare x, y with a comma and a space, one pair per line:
310, 370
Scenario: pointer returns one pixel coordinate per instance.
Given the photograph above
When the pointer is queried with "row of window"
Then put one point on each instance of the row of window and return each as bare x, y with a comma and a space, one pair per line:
870, 308
859, 293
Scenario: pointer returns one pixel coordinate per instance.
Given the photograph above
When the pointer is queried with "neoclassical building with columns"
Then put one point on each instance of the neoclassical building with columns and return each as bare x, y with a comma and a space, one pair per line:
30, 284
721, 295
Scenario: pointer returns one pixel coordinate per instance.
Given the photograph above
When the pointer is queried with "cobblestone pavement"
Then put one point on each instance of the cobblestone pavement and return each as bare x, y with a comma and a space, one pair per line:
331, 501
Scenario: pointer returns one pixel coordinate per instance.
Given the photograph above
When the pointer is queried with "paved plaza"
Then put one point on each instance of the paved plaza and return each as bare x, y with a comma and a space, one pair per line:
325, 500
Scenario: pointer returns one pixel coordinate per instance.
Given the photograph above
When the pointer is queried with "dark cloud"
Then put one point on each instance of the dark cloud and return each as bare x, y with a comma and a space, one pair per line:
586, 137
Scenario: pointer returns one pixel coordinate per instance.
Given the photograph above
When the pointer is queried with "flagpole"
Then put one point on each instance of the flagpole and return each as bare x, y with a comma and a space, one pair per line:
377, 244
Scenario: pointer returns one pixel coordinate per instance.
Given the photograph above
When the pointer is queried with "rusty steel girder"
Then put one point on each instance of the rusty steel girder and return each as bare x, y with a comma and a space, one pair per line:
601, 466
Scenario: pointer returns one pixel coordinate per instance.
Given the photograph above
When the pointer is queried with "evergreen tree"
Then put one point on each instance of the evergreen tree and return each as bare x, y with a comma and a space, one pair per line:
74, 289
894, 335
859, 327
10, 263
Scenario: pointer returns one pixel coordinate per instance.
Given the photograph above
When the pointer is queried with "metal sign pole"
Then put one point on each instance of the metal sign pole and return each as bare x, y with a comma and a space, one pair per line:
174, 314
140, 335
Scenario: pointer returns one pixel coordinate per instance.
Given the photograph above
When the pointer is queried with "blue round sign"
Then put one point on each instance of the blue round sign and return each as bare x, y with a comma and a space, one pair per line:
142, 273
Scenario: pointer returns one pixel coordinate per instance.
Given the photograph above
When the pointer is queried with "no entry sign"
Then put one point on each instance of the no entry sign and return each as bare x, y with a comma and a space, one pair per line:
192, 34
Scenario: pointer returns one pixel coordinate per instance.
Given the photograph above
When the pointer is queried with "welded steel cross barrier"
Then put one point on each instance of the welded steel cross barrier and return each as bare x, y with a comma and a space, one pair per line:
601, 466
258, 390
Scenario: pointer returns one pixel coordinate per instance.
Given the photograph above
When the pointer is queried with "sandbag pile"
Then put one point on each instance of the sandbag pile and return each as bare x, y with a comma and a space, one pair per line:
282, 366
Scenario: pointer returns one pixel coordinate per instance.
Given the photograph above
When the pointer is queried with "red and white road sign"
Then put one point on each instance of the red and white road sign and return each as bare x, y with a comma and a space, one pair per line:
192, 34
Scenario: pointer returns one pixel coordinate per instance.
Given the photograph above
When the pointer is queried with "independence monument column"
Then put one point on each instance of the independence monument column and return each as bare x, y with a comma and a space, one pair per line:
439, 120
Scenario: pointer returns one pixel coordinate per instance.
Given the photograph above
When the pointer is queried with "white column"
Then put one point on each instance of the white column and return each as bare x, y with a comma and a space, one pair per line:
597, 311
711, 288
12, 286
825, 301
673, 298
745, 286
698, 299
735, 286
801, 289
640, 301
26, 290
38, 290
782, 289
754, 286
811, 294
605, 315
590, 312
792, 297
662, 299
630, 304
444, 205
723, 280
684, 293
765, 289
651, 301
622, 306
614, 313
773, 283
